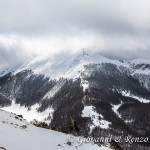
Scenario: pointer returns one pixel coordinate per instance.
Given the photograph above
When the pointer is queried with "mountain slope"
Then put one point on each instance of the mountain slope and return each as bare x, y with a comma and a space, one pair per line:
115, 92
18, 134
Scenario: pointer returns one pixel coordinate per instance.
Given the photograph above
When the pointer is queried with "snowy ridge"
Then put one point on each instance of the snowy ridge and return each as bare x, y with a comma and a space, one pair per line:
71, 65
18, 134
66, 65
4, 72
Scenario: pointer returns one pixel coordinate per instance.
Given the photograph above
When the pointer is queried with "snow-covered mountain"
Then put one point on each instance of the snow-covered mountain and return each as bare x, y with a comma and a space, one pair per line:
104, 96
63, 64
71, 65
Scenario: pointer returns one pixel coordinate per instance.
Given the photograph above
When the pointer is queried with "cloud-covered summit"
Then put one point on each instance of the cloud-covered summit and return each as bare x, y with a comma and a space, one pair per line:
117, 29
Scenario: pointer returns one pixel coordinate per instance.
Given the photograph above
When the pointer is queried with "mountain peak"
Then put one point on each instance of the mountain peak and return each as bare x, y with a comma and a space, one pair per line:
69, 65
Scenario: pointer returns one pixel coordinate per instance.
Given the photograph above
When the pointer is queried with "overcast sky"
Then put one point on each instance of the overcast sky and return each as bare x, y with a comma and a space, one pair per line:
115, 28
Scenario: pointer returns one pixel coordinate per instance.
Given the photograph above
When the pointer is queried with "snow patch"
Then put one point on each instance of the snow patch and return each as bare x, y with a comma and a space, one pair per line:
140, 99
141, 71
97, 119
84, 84
30, 114
128, 121
115, 109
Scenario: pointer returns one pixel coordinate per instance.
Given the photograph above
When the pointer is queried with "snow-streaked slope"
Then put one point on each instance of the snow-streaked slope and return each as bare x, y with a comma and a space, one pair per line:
4, 72
54, 90
97, 119
140, 66
140, 99
18, 134
140, 61
115, 110
141, 71
30, 114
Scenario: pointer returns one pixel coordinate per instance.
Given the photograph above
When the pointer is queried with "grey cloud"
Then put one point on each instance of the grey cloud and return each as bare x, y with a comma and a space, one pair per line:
11, 56
116, 29
126, 54
49, 16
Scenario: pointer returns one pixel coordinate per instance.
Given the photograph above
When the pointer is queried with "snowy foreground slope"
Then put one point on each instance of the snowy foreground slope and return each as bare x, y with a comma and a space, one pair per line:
18, 134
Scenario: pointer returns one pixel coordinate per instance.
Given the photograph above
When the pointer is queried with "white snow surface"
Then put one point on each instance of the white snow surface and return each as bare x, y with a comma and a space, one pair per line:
97, 119
128, 121
31, 114
14, 137
140, 99
115, 109
85, 84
